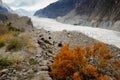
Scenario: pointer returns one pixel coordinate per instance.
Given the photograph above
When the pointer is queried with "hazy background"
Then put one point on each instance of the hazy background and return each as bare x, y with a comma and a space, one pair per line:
29, 5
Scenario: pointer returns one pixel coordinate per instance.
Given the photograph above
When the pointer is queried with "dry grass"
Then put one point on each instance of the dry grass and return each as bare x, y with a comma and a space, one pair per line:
5, 61
42, 77
15, 44
11, 59
9, 35
4, 38
17, 58
3, 29
26, 37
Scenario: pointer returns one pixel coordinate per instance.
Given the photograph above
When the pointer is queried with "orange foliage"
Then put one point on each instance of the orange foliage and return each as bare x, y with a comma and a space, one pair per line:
76, 76
104, 77
75, 62
89, 69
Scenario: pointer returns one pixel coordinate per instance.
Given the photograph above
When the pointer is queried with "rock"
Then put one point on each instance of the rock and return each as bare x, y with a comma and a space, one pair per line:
24, 73
30, 71
44, 68
14, 78
116, 26
43, 73
50, 54
38, 51
45, 62
24, 70
47, 41
5, 71
38, 55
118, 55
49, 38
60, 44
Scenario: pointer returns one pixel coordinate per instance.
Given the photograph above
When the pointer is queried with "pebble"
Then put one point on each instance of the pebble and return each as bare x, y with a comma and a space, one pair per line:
4, 71
44, 68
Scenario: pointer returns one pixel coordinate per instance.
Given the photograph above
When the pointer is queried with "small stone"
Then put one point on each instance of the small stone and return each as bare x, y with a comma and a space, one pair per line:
60, 44
43, 73
14, 71
50, 55
30, 71
38, 51
24, 70
45, 62
44, 68
48, 78
14, 78
35, 69
50, 38
118, 55
38, 55
3, 76
4, 71
25, 73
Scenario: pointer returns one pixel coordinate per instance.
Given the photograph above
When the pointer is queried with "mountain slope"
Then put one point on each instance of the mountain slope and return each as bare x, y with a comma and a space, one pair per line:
6, 13
59, 8
95, 13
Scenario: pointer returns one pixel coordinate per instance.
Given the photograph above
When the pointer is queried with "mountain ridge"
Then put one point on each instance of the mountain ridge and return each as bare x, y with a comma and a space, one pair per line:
59, 8
95, 13
4, 7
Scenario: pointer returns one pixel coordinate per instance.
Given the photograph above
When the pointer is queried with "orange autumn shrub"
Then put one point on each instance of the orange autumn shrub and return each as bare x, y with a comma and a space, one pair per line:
76, 76
104, 77
89, 69
80, 63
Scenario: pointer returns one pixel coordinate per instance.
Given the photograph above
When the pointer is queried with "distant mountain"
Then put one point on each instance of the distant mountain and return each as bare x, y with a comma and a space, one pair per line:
59, 8
6, 12
96, 13
105, 13
4, 7
22, 12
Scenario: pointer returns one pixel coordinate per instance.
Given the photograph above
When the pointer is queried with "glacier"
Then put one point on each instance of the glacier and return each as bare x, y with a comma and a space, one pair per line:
107, 36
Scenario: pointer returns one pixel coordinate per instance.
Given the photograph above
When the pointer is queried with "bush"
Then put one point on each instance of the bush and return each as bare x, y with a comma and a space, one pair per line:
82, 63
26, 37
11, 28
18, 59
15, 44
3, 38
5, 62
32, 61
3, 29
2, 43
